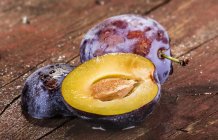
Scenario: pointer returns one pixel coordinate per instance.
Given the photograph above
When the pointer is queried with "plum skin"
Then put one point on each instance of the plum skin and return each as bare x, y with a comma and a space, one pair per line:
129, 34
122, 121
41, 95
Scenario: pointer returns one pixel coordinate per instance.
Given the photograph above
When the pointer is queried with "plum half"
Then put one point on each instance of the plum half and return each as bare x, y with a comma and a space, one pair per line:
41, 95
129, 34
114, 90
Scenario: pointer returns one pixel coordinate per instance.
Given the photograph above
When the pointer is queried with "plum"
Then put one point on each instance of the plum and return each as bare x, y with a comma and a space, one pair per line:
129, 34
41, 95
114, 90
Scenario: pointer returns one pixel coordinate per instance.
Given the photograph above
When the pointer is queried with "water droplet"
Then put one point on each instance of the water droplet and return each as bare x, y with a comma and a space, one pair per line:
18, 87
61, 58
130, 127
25, 20
60, 45
100, 2
98, 128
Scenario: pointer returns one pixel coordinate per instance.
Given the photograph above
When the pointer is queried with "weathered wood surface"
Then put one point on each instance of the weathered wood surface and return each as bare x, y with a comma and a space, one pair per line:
188, 107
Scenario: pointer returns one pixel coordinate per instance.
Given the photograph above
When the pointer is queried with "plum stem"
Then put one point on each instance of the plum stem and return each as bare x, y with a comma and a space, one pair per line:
181, 62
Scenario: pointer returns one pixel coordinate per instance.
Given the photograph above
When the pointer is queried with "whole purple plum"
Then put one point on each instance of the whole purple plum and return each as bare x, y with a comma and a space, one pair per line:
41, 95
129, 34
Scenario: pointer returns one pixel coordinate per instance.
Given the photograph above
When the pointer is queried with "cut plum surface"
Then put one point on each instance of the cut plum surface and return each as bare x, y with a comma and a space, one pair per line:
113, 85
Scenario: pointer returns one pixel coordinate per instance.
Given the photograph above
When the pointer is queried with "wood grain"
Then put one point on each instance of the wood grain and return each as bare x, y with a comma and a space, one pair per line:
49, 38
187, 109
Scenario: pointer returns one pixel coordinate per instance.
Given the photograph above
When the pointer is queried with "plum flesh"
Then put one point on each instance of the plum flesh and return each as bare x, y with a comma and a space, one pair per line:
41, 95
112, 91
129, 34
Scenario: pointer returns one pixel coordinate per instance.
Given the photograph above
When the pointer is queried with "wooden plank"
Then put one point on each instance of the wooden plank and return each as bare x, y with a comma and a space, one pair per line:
137, 132
195, 96
189, 22
189, 93
15, 126
66, 34
11, 12
41, 35
78, 129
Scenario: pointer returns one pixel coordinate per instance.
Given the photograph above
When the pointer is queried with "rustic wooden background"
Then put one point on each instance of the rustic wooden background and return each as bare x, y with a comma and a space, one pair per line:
188, 108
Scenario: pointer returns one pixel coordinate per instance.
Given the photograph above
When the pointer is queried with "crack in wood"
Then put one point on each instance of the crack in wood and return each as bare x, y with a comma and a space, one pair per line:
8, 105
24, 73
156, 7
184, 129
198, 46
212, 114
49, 132
17, 97
89, 24
171, 132
68, 61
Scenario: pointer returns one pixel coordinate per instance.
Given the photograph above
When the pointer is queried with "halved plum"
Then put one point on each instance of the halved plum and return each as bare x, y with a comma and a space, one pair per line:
114, 90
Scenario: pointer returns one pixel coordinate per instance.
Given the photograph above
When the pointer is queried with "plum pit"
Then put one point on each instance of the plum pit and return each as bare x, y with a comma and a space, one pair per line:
113, 88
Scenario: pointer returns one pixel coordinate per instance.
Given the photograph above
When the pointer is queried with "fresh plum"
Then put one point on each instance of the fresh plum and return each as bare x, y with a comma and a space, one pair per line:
129, 34
41, 95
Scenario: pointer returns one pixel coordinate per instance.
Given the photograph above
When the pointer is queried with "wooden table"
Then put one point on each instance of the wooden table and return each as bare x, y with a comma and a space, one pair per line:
34, 33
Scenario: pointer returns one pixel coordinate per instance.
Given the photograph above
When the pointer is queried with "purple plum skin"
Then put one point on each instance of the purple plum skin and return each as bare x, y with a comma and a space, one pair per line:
129, 34
41, 95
